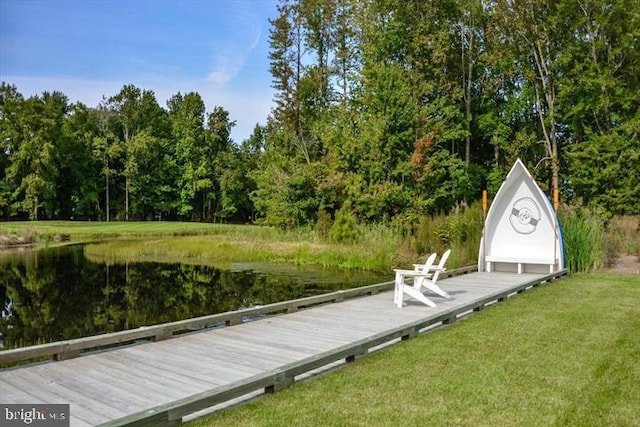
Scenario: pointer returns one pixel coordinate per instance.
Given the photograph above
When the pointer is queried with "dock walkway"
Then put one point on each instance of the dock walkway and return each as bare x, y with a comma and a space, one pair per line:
158, 383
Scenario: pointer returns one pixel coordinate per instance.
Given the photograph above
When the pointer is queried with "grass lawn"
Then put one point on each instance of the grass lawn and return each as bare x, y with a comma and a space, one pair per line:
87, 230
566, 354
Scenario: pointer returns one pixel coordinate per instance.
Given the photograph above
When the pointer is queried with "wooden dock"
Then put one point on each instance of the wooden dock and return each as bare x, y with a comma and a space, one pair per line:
159, 383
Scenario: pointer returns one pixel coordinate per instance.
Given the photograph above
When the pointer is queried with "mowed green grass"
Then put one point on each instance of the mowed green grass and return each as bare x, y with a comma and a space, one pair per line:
565, 354
78, 230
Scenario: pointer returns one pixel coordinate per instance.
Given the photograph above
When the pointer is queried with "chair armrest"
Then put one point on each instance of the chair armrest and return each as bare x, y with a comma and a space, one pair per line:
432, 268
411, 273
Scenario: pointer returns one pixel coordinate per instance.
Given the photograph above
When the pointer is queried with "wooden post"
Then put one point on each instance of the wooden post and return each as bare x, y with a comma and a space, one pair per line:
556, 203
484, 225
484, 204
65, 355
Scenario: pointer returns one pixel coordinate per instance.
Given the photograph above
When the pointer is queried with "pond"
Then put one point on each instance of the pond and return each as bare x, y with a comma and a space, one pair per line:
58, 294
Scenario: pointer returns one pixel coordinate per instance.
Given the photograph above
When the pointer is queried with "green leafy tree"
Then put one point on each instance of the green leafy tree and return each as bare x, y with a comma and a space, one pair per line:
187, 118
154, 190
605, 169
138, 111
126, 107
32, 168
105, 149
285, 59
10, 103
286, 194
220, 154
535, 34
78, 186
600, 103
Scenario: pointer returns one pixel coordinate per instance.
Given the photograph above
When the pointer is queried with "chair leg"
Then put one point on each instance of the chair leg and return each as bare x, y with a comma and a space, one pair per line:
398, 291
413, 292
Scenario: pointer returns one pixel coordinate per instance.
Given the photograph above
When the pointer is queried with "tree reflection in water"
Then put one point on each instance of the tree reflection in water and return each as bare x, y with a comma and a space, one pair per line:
57, 294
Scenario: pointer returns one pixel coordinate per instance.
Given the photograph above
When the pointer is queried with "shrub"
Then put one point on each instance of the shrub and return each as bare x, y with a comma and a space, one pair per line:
323, 224
345, 226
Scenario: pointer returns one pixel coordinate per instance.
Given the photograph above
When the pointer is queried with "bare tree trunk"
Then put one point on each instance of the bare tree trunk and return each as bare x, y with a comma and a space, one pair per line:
126, 199
467, 76
127, 179
546, 114
107, 190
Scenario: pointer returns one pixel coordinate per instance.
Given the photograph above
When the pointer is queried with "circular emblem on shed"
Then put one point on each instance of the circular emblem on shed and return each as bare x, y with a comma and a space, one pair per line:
525, 216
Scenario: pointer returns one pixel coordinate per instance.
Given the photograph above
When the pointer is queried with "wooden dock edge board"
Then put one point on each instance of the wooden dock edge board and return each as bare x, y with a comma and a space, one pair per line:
172, 413
62, 350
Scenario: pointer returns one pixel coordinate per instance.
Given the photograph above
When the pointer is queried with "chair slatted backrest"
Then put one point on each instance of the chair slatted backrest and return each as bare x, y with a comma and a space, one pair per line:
424, 268
440, 266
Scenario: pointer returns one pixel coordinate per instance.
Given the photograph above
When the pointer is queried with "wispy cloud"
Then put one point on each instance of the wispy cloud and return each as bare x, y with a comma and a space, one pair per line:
229, 60
243, 32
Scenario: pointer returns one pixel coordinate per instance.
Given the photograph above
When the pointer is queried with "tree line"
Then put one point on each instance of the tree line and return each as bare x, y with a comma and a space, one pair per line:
384, 110
127, 158
406, 108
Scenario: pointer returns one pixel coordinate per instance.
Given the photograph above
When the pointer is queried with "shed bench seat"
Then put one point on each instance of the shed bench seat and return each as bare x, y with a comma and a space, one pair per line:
520, 261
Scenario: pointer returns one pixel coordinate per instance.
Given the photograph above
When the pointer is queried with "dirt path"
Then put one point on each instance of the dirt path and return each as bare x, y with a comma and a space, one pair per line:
626, 264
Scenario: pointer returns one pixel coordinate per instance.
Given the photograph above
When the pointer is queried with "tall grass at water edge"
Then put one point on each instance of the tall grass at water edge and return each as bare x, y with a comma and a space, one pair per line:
590, 241
376, 247
374, 250
583, 232
459, 231
593, 242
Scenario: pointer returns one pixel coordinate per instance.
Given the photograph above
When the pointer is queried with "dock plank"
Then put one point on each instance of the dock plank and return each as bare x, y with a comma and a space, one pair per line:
69, 377
217, 371
84, 410
17, 395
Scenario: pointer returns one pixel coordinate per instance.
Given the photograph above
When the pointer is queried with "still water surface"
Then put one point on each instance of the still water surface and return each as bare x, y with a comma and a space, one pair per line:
57, 294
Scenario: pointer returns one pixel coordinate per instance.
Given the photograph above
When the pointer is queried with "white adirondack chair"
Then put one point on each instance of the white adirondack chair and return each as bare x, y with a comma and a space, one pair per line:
429, 282
402, 288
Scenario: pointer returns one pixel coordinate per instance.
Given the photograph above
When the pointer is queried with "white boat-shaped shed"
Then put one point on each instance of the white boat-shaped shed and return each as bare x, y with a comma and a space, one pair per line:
521, 232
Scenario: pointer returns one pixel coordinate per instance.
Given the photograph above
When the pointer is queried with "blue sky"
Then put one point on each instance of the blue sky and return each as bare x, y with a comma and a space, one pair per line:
90, 48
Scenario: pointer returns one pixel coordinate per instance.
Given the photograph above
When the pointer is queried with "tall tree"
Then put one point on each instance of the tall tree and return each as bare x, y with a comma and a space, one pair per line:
136, 110
535, 31
319, 21
32, 169
78, 186
187, 118
126, 106
219, 152
10, 104
471, 24
286, 55
346, 60
105, 149
600, 104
